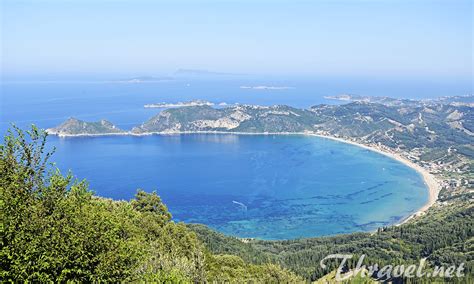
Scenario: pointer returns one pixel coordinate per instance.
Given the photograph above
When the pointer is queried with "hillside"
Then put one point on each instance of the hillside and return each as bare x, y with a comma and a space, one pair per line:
445, 236
435, 134
74, 127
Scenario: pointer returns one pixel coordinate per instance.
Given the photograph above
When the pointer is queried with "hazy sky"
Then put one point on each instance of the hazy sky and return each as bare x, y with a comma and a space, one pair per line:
383, 38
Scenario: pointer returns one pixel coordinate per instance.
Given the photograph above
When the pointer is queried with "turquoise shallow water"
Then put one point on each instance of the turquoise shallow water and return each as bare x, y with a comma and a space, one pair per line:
269, 187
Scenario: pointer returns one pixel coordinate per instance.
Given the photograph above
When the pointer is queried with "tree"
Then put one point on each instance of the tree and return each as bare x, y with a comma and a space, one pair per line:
151, 203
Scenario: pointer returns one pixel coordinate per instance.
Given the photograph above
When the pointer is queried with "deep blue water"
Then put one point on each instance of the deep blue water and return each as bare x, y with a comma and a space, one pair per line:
272, 187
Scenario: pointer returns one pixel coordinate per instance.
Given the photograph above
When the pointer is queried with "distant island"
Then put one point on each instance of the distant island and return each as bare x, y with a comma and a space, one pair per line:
266, 87
146, 79
180, 74
179, 104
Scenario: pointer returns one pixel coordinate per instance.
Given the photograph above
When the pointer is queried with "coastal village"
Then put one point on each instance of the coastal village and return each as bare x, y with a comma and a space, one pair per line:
453, 173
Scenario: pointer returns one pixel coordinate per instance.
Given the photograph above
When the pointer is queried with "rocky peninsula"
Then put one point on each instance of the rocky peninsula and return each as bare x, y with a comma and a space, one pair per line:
434, 137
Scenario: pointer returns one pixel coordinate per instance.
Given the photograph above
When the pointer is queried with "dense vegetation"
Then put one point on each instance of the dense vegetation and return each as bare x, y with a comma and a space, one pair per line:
55, 229
444, 237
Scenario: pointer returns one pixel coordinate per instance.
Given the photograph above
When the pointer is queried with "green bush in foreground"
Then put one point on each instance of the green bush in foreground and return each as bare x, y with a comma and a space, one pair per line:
54, 229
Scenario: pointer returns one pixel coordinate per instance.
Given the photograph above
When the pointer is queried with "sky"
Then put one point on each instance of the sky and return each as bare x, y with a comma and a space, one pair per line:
404, 38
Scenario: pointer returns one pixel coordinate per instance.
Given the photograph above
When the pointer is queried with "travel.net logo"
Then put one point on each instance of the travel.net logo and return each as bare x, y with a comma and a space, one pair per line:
391, 271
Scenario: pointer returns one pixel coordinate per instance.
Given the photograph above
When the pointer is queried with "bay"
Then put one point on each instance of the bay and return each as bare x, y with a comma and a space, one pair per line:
269, 187
252, 186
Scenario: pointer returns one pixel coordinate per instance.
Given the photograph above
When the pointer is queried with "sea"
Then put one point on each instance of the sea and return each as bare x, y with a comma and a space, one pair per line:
250, 186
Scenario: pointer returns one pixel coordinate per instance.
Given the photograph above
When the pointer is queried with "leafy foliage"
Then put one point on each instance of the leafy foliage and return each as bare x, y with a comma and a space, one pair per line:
444, 236
54, 229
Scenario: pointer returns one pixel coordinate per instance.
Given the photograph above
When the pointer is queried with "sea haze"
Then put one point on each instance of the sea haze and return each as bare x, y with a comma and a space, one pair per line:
259, 186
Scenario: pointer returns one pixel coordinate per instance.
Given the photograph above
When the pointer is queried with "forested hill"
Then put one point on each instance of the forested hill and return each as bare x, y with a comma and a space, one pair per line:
73, 125
445, 236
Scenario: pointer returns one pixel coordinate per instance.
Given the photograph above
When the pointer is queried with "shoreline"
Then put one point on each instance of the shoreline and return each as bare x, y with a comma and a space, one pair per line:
429, 179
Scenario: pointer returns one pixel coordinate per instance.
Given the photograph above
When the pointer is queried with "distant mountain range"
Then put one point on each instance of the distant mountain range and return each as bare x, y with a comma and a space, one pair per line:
179, 74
